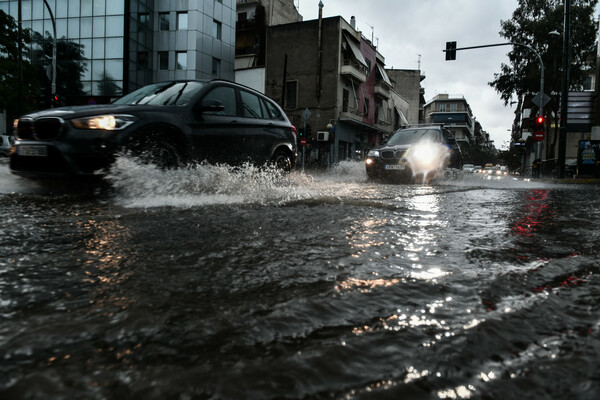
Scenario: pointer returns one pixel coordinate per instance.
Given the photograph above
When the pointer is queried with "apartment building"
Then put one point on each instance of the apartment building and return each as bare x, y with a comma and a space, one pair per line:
333, 85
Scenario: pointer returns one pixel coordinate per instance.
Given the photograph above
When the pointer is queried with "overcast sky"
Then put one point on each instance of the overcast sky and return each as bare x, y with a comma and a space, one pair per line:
405, 29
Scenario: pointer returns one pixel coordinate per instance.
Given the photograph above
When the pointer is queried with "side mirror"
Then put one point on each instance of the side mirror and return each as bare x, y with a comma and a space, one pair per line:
211, 106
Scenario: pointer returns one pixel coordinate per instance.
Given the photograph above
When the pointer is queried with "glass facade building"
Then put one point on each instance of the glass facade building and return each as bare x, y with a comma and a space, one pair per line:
106, 48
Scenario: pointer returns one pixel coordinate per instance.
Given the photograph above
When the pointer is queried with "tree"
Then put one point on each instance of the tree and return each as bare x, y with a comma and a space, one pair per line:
9, 69
69, 69
531, 24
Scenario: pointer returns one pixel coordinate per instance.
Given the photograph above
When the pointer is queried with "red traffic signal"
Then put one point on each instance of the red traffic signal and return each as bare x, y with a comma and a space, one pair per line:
539, 120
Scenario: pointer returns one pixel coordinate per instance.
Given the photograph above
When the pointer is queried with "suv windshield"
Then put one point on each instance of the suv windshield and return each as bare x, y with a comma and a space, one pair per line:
410, 136
163, 94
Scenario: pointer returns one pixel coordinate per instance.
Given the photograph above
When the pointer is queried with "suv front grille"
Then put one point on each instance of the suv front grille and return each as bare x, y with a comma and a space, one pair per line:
41, 129
391, 154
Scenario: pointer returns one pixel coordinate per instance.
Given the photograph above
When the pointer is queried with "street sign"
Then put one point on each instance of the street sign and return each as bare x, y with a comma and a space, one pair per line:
306, 114
303, 142
540, 99
539, 135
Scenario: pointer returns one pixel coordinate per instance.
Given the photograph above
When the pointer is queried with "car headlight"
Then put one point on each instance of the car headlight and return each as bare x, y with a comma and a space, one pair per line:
104, 122
373, 153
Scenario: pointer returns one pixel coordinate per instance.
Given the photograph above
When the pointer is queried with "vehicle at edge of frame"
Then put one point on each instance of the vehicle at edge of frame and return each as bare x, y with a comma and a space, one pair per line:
167, 124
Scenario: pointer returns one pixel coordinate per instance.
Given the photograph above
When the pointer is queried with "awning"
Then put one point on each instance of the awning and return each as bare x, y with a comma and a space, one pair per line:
354, 47
403, 120
385, 77
244, 62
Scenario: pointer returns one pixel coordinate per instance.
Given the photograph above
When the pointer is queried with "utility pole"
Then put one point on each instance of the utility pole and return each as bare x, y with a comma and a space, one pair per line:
53, 86
564, 96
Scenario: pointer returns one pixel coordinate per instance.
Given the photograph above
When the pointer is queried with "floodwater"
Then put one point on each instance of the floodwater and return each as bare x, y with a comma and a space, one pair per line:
213, 283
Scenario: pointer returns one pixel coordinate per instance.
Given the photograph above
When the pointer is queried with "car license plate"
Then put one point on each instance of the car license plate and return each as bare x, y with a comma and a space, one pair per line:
399, 167
32, 151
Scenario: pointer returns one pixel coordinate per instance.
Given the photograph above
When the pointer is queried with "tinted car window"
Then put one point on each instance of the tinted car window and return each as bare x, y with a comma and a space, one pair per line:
178, 94
143, 94
410, 136
251, 105
225, 95
273, 110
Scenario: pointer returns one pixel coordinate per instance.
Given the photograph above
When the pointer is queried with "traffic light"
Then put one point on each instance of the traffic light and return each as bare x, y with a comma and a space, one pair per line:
54, 100
539, 133
450, 51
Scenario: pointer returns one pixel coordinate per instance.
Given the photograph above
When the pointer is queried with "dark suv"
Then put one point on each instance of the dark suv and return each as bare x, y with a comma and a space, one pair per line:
414, 154
167, 124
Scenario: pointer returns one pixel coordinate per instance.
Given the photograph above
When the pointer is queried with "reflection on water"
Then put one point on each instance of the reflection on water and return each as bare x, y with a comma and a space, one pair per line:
312, 285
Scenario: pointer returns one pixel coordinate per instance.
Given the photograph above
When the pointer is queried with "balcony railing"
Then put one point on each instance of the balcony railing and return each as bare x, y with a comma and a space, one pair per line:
355, 70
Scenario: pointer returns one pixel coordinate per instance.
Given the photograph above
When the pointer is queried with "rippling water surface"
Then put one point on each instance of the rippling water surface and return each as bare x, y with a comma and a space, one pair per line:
219, 283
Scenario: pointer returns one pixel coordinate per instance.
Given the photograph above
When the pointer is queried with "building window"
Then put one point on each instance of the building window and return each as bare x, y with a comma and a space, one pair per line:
181, 60
367, 105
345, 100
368, 66
142, 60
182, 21
163, 60
443, 107
163, 19
216, 68
216, 29
453, 107
291, 94
588, 83
144, 21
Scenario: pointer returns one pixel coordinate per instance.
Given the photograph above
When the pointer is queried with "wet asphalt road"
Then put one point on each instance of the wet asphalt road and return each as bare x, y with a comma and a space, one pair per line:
212, 283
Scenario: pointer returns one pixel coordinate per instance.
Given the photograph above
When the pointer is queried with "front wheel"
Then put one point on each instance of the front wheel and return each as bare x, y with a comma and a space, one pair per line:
282, 161
160, 154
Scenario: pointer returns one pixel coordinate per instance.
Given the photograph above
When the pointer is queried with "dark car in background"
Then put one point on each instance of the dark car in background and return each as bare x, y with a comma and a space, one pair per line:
415, 154
167, 124
6, 142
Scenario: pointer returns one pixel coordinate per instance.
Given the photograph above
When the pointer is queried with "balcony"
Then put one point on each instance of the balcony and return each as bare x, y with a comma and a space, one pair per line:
354, 70
382, 90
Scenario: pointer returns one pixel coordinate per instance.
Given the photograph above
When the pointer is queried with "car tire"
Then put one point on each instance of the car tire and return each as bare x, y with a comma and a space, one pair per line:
151, 152
282, 161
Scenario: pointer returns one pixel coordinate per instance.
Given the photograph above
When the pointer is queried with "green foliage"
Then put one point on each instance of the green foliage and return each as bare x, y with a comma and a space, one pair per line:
9, 68
70, 64
531, 24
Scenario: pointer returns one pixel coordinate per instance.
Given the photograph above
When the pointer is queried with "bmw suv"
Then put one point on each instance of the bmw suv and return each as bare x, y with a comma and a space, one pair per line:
414, 154
167, 124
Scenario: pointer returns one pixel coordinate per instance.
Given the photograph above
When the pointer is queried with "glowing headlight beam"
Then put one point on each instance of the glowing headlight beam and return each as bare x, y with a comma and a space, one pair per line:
103, 122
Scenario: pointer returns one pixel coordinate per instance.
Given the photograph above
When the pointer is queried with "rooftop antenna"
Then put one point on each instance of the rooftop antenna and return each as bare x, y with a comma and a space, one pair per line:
372, 34
419, 62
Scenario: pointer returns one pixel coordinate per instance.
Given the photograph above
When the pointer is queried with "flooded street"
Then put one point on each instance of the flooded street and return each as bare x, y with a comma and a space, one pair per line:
213, 283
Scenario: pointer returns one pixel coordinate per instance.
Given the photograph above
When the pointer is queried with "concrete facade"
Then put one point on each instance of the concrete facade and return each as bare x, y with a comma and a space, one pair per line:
334, 72
408, 82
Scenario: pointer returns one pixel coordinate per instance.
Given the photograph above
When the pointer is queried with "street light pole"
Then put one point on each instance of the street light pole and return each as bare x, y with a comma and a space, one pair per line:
564, 101
53, 86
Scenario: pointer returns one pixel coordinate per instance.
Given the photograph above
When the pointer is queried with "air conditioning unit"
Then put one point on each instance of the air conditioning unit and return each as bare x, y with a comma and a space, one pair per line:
323, 136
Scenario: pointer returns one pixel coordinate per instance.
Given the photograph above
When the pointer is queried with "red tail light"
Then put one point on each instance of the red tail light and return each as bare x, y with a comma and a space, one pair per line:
295, 132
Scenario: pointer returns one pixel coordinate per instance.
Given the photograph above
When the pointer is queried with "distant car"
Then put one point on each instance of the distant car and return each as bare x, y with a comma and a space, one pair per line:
495, 172
468, 168
6, 142
167, 124
414, 155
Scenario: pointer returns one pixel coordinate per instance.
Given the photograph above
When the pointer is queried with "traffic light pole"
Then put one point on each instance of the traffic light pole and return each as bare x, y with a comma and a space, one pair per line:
541, 112
564, 103
451, 55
